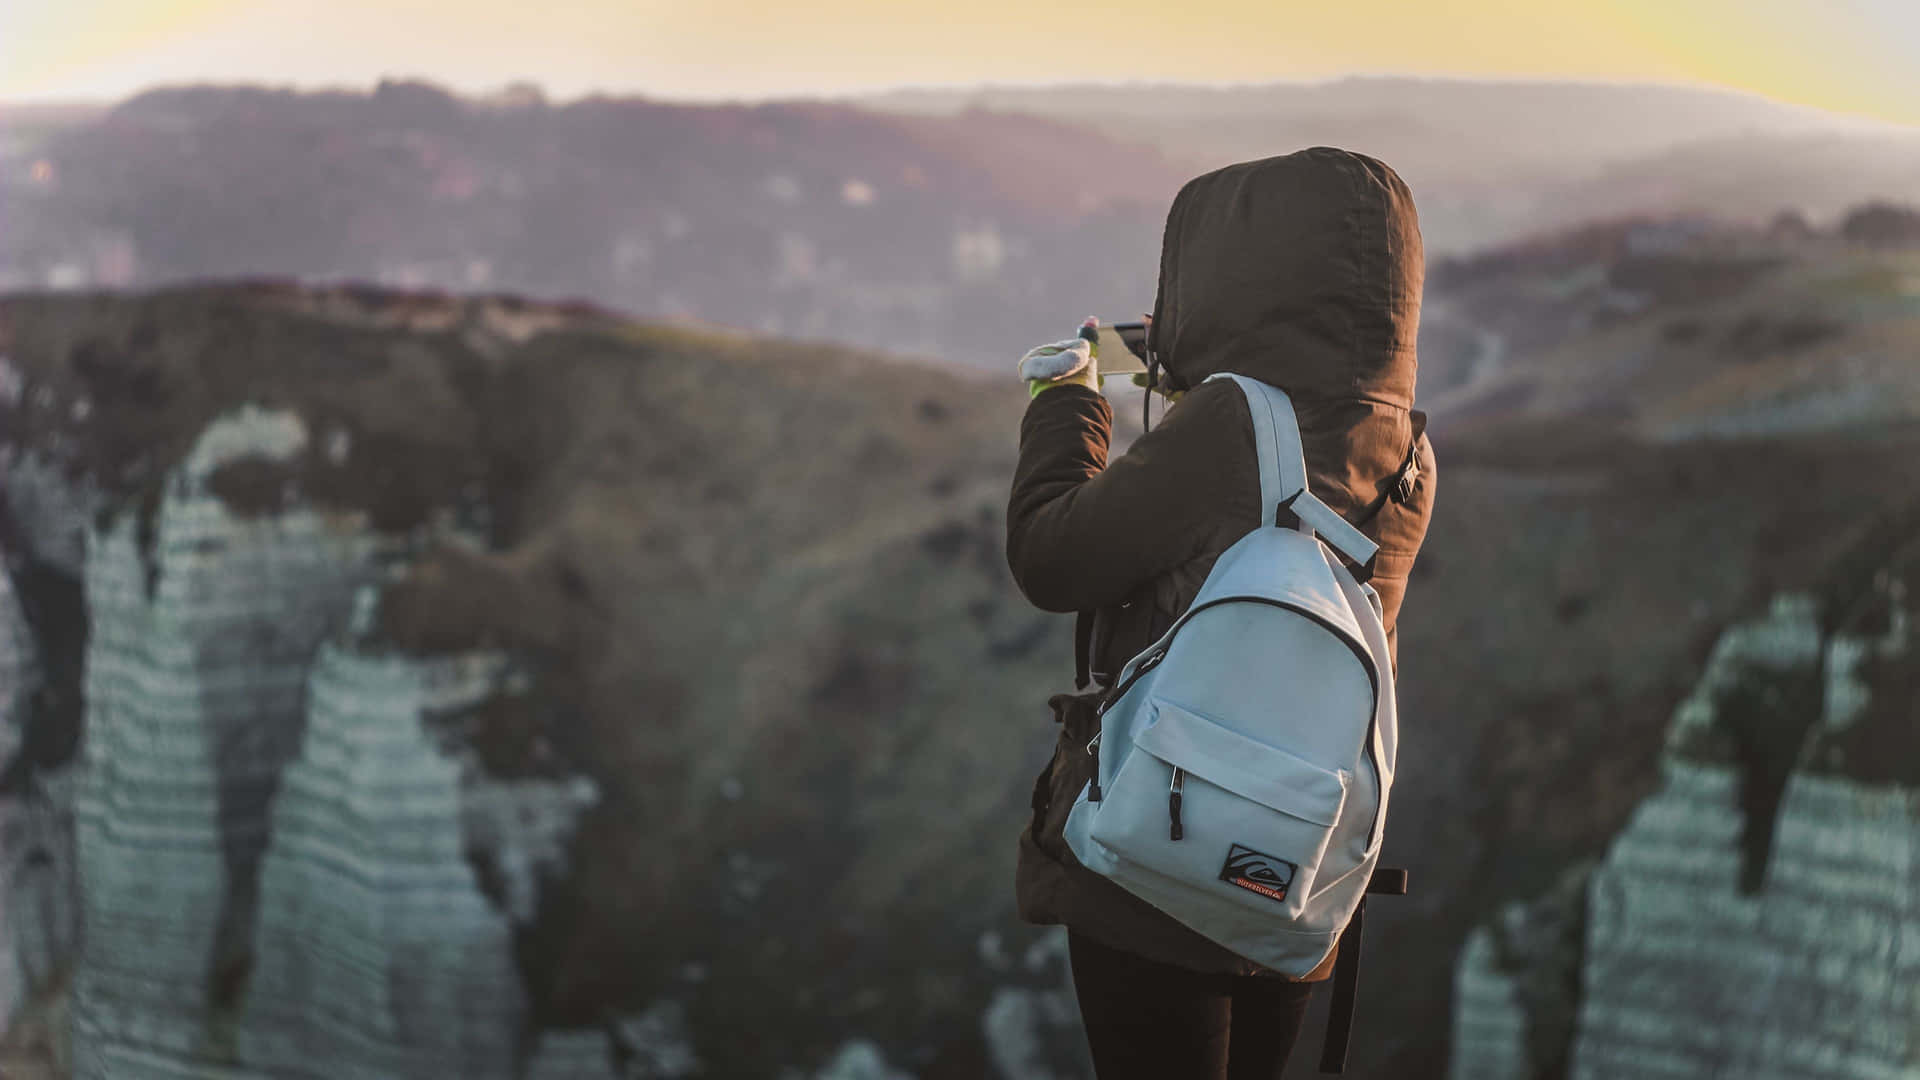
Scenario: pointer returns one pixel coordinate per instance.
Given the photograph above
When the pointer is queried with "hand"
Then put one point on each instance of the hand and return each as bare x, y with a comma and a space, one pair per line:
1074, 362
1140, 380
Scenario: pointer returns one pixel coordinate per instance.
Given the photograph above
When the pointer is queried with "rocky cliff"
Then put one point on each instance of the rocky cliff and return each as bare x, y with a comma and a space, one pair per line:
36, 884
1753, 917
660, 686
201, 636
418, 687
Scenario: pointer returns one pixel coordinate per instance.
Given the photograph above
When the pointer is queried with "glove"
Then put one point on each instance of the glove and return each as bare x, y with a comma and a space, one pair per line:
1074, 362
1172, 396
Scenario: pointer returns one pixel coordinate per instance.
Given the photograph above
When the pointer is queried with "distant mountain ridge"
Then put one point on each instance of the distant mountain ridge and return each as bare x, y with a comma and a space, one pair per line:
1492, 161
959, 238
961, 228
1659, 114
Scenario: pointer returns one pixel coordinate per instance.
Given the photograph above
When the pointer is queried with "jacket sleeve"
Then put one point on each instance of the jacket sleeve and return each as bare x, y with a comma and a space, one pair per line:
1083, 533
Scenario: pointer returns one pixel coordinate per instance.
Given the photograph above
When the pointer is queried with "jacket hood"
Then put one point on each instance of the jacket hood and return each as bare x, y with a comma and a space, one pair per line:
1302, 271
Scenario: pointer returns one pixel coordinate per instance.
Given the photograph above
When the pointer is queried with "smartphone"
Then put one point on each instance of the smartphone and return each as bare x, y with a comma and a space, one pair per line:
1123, 348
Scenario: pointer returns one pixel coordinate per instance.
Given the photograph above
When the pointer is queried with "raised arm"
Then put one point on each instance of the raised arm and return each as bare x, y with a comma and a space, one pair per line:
1083, 533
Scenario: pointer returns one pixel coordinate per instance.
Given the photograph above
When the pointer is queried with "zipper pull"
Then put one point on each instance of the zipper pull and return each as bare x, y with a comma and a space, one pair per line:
1093, 750
1173, 802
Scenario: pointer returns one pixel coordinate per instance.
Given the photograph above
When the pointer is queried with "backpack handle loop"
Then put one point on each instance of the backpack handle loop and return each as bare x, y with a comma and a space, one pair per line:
1286, 501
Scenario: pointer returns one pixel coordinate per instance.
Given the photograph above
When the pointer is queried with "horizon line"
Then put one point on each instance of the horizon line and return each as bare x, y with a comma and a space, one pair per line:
908, 89
467, 90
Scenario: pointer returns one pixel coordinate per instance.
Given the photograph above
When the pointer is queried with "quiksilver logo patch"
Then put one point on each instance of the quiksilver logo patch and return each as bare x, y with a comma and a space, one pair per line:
1255, 872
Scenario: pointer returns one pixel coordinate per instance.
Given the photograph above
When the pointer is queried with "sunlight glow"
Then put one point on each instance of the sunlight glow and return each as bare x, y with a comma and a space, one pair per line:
1854, 56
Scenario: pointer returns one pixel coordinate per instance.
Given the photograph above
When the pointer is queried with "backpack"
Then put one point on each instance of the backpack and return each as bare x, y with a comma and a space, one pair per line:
1244, 759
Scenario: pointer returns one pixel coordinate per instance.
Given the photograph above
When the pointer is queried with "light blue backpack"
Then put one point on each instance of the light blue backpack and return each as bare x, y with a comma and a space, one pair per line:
1244, 759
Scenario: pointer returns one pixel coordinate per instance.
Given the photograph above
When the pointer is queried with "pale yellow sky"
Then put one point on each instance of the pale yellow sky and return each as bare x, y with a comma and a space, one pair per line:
1855, 56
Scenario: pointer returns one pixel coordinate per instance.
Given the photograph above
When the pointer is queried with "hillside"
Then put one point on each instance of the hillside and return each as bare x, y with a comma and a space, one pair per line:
1674, 426
607, 671
1747, 918
1667, 331
758, 665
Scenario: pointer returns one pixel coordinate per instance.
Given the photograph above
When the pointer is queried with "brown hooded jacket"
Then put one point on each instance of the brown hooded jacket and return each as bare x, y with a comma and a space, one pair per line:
1301, 271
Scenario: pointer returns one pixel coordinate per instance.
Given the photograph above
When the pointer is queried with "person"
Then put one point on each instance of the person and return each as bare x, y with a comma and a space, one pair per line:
1302, 271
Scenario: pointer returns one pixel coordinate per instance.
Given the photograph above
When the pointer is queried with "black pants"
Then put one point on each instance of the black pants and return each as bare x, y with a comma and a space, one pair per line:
1151, 1021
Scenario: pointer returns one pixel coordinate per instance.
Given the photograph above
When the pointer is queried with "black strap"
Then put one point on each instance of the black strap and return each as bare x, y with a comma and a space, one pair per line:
1399, 490
1346, 984
1082, 650
1387, 881
1346, 971
1146, 399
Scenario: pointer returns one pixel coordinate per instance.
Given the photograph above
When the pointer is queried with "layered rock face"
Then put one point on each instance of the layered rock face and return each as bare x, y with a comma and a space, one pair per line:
376, 953
280, 850
340, 927
195, 703
384, 684
35, 901
1754, 918
44, 518
654, 687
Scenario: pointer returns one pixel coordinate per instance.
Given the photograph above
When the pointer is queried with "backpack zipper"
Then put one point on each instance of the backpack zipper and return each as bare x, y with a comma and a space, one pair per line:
1366, 662
1173, 802
1093, 751
1119, 691
1093, 747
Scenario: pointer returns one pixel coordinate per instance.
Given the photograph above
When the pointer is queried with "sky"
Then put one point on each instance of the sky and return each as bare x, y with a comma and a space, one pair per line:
1851, 56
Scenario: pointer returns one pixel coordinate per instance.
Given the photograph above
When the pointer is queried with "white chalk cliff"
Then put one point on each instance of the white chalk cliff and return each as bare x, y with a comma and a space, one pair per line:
278, 845
382, 677
1758, 915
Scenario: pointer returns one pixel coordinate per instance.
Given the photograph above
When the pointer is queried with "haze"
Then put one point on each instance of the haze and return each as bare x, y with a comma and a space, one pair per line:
1853, 57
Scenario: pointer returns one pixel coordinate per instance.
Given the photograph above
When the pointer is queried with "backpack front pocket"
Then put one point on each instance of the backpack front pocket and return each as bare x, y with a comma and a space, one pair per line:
1206, 806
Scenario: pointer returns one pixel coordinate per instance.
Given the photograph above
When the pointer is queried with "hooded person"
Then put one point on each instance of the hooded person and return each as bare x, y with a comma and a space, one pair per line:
1303, 272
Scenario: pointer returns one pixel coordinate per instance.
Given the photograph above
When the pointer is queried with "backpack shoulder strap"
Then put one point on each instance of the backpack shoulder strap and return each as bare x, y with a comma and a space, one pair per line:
1285, 498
